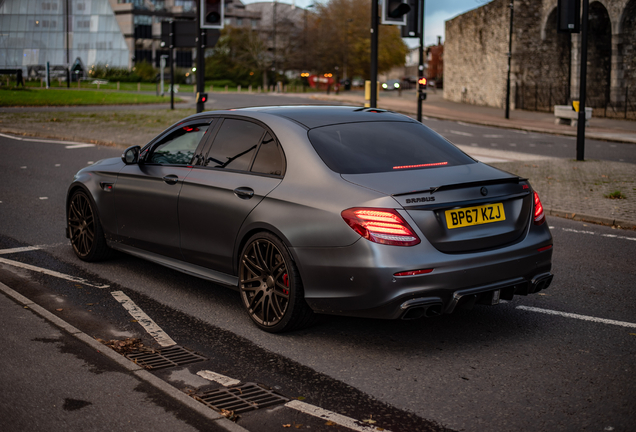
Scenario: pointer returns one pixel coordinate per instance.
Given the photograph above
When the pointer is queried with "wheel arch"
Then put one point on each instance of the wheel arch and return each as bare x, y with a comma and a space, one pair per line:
247, 232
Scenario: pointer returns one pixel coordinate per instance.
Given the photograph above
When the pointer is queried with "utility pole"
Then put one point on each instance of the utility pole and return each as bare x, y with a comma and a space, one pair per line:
420, 67
580, 130
512, 10
373, 101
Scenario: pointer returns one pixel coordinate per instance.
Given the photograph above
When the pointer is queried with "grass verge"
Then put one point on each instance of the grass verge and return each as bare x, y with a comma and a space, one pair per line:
51, 97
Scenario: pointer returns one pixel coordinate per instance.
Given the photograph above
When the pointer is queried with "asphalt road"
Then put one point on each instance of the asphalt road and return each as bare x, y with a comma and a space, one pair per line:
493, 368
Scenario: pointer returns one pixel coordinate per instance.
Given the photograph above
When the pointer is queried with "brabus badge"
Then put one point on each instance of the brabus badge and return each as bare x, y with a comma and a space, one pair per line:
419, 200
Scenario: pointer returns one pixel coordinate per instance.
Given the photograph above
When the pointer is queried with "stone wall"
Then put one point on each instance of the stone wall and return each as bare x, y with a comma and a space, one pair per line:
475, 60
545, 64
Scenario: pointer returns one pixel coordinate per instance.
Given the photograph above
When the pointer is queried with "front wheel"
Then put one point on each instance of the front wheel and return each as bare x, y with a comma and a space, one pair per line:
271, 288
85, 230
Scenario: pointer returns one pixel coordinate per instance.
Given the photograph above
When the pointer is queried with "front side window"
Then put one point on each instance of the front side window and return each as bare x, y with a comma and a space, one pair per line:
235, 145
178, 148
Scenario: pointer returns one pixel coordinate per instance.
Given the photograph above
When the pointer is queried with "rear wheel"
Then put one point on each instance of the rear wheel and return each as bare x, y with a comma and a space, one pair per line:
85, 230
271, 288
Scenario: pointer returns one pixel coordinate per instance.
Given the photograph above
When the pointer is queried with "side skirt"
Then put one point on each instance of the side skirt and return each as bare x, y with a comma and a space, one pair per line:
184, 267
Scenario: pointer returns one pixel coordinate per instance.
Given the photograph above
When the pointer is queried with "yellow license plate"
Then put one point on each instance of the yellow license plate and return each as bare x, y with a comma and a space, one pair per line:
478, 215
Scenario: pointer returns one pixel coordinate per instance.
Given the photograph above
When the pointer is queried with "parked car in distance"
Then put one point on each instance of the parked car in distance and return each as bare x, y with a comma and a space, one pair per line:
317, 209
391, 85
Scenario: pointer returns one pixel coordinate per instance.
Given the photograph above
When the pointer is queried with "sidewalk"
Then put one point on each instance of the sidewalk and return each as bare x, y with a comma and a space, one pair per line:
56, 378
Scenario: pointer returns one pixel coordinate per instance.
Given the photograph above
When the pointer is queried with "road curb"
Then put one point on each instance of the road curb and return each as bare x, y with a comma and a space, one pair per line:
592, 219
136, 370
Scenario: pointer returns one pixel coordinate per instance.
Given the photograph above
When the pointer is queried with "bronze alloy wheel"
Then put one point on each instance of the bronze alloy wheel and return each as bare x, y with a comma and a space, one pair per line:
84, 229
270, 286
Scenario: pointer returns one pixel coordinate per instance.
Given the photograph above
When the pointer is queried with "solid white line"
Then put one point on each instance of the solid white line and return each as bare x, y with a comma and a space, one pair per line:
221, 379
50, 273
345, 421
70, 144
581, 317
146, 322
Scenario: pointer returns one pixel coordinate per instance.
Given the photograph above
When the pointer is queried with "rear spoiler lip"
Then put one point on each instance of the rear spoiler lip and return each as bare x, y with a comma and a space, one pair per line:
463, 185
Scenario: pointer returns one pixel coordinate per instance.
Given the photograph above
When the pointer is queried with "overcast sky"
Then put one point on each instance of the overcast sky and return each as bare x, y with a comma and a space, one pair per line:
436, 12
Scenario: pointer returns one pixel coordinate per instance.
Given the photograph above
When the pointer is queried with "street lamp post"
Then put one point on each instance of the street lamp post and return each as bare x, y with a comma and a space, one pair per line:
512, 10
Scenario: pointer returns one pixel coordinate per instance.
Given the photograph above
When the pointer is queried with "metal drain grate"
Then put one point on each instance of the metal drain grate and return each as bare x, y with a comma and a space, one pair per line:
167, 357
247, 397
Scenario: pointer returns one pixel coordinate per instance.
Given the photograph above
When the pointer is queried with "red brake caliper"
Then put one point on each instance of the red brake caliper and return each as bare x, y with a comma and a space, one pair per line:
286, 282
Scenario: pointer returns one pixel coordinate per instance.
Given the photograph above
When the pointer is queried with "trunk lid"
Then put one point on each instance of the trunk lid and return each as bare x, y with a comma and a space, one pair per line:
459, 209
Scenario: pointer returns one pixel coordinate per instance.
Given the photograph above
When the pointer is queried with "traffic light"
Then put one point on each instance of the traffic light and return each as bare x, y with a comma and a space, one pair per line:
421, 85
569, 16
202, 97
212, 14
412, 27
394, 12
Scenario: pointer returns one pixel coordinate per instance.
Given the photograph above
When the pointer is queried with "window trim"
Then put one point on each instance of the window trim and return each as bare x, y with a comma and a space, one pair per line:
152, 145
210, 142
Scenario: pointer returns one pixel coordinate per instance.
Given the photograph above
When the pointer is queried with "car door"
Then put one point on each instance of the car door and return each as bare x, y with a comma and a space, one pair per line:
147, 193
243, 165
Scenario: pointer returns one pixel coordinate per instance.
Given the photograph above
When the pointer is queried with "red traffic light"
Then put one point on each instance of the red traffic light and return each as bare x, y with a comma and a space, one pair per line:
422, 81
202, 97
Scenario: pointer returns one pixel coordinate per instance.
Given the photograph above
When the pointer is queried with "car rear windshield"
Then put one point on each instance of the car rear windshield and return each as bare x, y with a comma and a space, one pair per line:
371, 147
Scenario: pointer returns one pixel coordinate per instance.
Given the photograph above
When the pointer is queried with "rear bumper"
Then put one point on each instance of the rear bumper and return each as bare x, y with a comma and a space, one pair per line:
359, 280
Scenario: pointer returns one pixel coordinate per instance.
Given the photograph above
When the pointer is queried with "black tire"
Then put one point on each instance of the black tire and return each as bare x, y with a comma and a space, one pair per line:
270, 285
85, 229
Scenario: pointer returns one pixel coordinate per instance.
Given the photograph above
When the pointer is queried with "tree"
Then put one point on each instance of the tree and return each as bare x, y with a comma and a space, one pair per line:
338, 21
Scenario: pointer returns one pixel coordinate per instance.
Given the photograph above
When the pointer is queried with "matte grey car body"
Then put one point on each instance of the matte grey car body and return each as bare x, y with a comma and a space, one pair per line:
200, 216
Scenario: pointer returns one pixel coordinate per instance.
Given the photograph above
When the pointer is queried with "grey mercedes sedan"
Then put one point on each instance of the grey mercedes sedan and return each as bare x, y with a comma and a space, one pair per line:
313, 209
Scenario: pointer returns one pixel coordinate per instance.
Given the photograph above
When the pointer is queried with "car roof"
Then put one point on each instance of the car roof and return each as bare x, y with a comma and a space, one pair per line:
312, 116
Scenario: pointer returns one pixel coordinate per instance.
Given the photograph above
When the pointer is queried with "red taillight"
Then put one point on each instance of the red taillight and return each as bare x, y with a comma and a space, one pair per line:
413, 272
544, 248
539, 216
384, 226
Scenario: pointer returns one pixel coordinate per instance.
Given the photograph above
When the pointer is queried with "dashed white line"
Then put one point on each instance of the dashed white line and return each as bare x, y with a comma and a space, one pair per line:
144, 320
493, 136
602, 235
69, 144
577, 316
221, 379
50, 273
345, 421
44, 198
461, 133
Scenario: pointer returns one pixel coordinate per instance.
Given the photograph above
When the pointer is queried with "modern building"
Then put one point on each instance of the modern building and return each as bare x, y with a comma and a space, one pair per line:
82, 33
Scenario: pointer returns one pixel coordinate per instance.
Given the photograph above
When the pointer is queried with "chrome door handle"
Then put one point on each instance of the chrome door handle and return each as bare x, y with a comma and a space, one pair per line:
171, 179
244, 192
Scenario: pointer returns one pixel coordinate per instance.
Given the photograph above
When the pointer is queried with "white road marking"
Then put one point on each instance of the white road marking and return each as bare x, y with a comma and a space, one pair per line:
50, 273
602, 235
345, 421
146, 322
493, 136
69, 144
512, 145
44, 198
577, 316
221, 379
57, 165
23, 167
20, 249
461, 133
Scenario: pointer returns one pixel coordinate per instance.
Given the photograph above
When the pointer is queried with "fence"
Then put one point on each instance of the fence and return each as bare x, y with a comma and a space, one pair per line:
543, 97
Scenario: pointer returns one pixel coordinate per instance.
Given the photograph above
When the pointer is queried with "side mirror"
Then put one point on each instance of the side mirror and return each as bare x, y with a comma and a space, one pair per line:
131, 155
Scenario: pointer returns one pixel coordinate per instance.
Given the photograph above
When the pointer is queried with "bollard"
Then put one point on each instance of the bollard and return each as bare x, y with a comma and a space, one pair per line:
117, 85
258, 90
194, 89
211, 88
97, 86
249, 89
138, 86
225, 88
238, 88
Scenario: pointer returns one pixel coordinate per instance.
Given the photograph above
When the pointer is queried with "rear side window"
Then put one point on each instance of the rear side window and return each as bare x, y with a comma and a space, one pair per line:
371, 147
235, 145
269, 159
